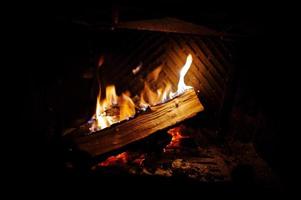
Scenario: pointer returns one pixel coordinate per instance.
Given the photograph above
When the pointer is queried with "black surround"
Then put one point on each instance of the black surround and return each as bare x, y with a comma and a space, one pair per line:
260, 104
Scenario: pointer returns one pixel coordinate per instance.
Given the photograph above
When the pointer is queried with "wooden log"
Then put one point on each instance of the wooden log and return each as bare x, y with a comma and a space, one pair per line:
157, 118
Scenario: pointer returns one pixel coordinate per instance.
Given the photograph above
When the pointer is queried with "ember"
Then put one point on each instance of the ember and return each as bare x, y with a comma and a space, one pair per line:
113, 160
124, 158
176, 134
131, 157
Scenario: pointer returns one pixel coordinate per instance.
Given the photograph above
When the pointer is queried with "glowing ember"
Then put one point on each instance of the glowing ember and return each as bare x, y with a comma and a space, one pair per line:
122, 159
177, 136
114, 160
139, 161
113, 108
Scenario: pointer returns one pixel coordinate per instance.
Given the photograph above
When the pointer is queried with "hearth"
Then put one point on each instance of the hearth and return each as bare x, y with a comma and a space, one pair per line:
153, 99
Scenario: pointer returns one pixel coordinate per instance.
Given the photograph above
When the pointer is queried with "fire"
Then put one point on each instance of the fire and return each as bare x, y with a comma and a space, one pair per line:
149, 97
181, 85
111, 97
113, 160
113, 108
165, 93
127, 106
126, 157
176, 134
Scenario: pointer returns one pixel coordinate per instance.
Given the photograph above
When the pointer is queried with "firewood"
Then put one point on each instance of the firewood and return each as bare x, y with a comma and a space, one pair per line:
156, 118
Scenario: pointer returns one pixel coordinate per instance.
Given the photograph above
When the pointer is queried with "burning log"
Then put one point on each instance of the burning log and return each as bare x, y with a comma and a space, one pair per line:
156, 118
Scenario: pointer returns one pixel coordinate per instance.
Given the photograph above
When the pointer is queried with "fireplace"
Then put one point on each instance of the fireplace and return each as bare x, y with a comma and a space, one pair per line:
159, 64
120, 108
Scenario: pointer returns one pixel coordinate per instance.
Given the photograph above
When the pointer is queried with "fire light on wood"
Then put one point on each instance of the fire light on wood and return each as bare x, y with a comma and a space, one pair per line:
113, 108
176, 137
155, 111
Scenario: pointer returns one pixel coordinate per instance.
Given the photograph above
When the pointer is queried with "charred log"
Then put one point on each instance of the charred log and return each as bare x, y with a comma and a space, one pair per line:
157, 118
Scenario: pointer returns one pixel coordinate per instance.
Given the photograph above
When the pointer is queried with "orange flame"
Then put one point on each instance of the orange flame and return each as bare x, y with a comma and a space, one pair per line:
111, 96
113, 108
149, 98
127, 107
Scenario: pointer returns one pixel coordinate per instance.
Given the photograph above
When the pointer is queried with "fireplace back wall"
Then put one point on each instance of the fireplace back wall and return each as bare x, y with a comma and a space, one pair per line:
211, 72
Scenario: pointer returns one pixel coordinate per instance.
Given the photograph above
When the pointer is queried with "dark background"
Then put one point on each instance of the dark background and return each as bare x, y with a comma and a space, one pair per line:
265, 54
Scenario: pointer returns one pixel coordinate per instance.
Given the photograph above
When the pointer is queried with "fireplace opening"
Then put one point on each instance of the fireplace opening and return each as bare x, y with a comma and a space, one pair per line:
157, 98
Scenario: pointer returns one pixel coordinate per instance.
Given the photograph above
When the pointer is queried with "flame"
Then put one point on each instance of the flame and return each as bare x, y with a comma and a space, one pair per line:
181, 85
154, 75
148, 95
127, 107
101, 121
111, 96
166, 94
113, 108
143, 105
149, 98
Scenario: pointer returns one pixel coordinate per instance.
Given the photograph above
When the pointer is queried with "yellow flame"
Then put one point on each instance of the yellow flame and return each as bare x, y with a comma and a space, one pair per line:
127, 107
111, 96
181, 85
98, 106
114, 108
143, 104
167, 93
101, 121
149, 97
